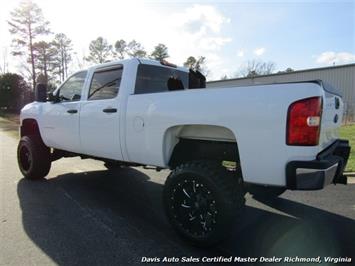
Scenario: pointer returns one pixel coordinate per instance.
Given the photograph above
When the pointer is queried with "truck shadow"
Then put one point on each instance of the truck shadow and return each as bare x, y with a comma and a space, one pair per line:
113, 217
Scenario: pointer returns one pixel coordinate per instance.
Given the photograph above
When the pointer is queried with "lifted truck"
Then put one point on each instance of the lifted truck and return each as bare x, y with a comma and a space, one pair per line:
219, 143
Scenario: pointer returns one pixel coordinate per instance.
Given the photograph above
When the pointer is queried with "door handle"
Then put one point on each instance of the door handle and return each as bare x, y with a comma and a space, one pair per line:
72, 111
109, 110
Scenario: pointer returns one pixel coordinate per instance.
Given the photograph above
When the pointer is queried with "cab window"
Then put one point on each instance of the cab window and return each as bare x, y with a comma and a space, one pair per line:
71, 89
105, 84
153, 79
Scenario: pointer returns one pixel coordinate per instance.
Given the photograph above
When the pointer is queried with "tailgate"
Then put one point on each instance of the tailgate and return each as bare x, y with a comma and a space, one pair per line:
332, 115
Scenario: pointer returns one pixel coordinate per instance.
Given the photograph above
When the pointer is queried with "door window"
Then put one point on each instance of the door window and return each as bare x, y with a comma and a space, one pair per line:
71, 89
105, 84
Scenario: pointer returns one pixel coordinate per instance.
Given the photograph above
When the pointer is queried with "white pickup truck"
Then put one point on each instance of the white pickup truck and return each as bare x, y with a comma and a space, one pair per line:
219, 143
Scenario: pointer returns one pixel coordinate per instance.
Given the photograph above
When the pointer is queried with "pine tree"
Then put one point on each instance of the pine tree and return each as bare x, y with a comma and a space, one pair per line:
63, 47
135, 49
100, 51
160, 52
121, 49
44, 56
26, 24
196, 64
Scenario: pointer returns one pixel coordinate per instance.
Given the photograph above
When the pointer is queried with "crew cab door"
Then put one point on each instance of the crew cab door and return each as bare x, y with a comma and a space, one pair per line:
60, 119
99, 115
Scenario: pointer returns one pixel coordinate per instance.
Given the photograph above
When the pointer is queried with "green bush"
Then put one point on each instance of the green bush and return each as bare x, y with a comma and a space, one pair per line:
14, 92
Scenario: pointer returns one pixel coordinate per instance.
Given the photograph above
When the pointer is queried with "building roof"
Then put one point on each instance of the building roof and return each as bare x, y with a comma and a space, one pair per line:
287, 73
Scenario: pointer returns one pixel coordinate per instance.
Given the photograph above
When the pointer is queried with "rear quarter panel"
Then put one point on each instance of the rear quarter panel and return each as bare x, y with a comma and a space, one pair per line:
256, 115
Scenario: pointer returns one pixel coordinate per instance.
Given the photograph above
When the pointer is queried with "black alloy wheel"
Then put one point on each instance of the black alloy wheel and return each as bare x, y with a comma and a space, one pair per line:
202, 200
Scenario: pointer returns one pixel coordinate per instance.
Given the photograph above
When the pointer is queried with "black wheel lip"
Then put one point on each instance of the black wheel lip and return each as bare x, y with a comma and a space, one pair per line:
176, 223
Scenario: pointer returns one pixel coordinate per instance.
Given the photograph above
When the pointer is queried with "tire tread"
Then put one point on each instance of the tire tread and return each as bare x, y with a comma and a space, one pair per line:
229, 185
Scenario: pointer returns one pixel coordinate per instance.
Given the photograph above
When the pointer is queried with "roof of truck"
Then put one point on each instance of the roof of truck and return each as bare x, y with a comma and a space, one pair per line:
139, 61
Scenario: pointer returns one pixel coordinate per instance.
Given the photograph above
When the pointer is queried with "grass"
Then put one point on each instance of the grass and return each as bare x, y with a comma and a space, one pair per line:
348, 132
9, 127
15, 117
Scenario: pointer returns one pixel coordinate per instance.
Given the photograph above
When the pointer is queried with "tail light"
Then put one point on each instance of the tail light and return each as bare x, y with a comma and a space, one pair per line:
303, 122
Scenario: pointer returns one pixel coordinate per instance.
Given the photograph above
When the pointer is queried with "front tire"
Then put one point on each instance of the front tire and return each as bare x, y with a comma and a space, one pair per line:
34, 158
202, 200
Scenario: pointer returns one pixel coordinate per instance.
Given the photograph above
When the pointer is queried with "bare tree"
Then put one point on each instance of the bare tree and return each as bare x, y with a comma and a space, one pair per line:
255, 68
26, 24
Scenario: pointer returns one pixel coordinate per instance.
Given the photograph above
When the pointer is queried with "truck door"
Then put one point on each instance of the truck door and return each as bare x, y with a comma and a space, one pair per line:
60, 120
99, 115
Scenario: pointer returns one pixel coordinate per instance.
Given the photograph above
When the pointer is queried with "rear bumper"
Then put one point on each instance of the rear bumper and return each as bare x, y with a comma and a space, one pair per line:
327, 168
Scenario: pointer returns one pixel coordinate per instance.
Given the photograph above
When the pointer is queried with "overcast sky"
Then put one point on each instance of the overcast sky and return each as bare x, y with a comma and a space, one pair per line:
296, 34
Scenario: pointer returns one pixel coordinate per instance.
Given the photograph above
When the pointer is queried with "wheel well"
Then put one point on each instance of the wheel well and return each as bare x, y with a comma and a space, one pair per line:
192, 149
30, 127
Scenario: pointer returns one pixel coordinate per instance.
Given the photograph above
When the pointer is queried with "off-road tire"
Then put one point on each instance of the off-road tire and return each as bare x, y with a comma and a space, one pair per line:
34, 157
216, 184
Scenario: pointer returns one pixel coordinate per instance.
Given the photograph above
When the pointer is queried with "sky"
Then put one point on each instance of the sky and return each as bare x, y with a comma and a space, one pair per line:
297, 34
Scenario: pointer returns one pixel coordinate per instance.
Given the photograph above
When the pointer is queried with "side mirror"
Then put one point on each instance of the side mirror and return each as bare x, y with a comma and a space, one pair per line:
53, 97
76, 97
41, 93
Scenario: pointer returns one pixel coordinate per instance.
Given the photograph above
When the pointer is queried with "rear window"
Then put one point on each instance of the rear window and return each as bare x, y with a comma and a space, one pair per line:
152, 79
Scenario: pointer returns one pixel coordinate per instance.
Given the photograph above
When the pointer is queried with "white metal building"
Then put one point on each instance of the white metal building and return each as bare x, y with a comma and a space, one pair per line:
341, 77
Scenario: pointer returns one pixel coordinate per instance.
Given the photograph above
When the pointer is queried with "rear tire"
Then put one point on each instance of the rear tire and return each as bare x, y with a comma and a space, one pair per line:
34, 158
202, 200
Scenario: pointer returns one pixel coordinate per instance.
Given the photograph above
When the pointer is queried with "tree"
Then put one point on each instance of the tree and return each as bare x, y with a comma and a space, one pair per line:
27, 23
62, 46
13, 91
160, 52
135, 49
196, 64
4, 61
224, 77
190, 62
287, 70
256, 68
121, 49
44, 55
100, 51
